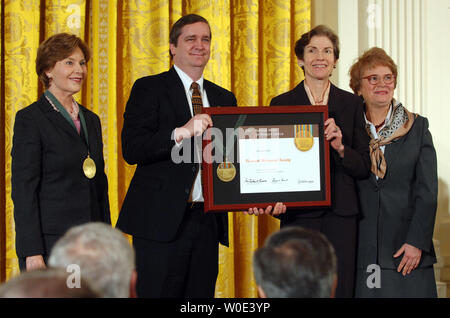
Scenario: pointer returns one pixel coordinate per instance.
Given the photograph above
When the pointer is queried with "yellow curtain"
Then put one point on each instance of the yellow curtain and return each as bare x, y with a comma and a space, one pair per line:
252, 55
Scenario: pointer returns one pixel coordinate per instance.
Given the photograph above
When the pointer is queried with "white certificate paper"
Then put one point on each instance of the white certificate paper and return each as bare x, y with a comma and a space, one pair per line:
270, 161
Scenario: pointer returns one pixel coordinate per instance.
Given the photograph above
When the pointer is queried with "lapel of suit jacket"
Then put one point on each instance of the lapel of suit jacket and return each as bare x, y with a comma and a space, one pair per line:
57, 119
213, 94
177, 96
89, 126
300, 97
392, 152
335, 99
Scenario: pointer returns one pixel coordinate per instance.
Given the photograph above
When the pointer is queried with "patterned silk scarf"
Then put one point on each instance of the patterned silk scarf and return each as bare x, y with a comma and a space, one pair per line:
400, 123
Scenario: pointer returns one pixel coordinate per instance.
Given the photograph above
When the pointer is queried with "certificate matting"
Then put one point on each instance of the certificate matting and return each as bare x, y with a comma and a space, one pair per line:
268, 154
239, 195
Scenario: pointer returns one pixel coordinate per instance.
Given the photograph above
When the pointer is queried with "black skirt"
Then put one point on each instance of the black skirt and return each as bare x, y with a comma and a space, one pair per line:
420, 283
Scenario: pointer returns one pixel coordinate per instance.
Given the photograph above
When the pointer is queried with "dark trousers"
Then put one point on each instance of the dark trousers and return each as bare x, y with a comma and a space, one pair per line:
186, 267
341, 232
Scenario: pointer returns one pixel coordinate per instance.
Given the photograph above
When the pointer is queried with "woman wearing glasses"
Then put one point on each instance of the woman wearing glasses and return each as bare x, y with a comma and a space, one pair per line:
399, 199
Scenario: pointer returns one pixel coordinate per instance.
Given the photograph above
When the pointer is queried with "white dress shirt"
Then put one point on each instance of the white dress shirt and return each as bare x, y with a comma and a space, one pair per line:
196, 191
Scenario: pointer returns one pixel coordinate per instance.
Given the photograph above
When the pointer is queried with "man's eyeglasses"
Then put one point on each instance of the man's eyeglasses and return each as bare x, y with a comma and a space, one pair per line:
375, 79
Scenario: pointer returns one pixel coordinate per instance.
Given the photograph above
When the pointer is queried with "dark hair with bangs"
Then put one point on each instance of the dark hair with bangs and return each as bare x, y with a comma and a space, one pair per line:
320, 30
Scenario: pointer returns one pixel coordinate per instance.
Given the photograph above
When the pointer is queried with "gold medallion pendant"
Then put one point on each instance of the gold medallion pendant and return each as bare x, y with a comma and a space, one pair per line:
89, 168
304, 139
226, 171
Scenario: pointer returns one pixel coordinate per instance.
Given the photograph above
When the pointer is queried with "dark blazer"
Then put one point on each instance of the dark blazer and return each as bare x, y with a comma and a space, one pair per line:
158, 193
401, 207
347, 111
49, 189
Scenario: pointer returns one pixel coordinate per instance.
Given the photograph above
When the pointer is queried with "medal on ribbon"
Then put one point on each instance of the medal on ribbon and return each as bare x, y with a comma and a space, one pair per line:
88, 166
304, 138
226, 171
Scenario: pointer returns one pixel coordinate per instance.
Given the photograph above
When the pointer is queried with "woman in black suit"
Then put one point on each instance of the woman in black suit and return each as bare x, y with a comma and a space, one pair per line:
317, 53
58, 177
399, 199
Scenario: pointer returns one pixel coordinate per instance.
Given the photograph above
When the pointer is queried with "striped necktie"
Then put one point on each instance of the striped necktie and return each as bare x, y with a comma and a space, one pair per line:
197, 103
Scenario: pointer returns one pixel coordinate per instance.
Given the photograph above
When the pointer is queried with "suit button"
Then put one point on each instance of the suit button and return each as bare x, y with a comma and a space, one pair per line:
193, 169
187, 190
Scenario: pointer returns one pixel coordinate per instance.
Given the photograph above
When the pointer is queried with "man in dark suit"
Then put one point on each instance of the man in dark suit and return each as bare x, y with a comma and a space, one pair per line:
176, 243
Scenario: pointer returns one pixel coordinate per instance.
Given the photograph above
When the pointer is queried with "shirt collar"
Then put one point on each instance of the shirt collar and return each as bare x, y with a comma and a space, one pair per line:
325, 94
186, 80
388, 116
372, 126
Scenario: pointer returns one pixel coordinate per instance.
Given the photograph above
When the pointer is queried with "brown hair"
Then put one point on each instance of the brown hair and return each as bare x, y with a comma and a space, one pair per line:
371, 58
57, 48
175, 32
320, 30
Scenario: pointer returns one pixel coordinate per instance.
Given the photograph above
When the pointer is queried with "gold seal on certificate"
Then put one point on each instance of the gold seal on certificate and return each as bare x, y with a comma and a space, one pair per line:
226, 171
89, 168
304, 139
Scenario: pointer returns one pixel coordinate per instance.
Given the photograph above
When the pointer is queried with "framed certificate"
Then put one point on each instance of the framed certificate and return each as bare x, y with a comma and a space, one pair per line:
257, 156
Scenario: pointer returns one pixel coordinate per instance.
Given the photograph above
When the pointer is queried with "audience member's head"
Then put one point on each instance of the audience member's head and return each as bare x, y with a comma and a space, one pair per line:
46, 283
105, 258
295, 263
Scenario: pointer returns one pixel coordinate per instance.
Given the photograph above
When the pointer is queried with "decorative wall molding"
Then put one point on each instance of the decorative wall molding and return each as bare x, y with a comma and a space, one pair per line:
398, 26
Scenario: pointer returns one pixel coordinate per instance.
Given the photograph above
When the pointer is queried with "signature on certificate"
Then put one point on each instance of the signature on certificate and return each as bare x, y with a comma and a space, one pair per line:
278, 181
248, 180
300, 181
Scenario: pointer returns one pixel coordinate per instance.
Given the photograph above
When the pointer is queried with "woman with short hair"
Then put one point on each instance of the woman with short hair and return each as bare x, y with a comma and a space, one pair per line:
399, 199
317, 53
58, 177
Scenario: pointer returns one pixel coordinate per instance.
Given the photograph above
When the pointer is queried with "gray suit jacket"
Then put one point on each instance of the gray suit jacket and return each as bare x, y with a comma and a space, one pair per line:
400, 208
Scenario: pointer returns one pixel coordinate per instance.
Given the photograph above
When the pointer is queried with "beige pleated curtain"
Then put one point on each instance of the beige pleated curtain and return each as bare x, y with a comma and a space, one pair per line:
251, 54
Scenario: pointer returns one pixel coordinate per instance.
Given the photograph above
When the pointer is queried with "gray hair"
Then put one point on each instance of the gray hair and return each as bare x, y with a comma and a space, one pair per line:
105, 258
295, 263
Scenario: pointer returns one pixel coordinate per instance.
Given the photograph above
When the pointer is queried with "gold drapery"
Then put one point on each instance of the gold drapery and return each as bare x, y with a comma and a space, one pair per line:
251, 54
